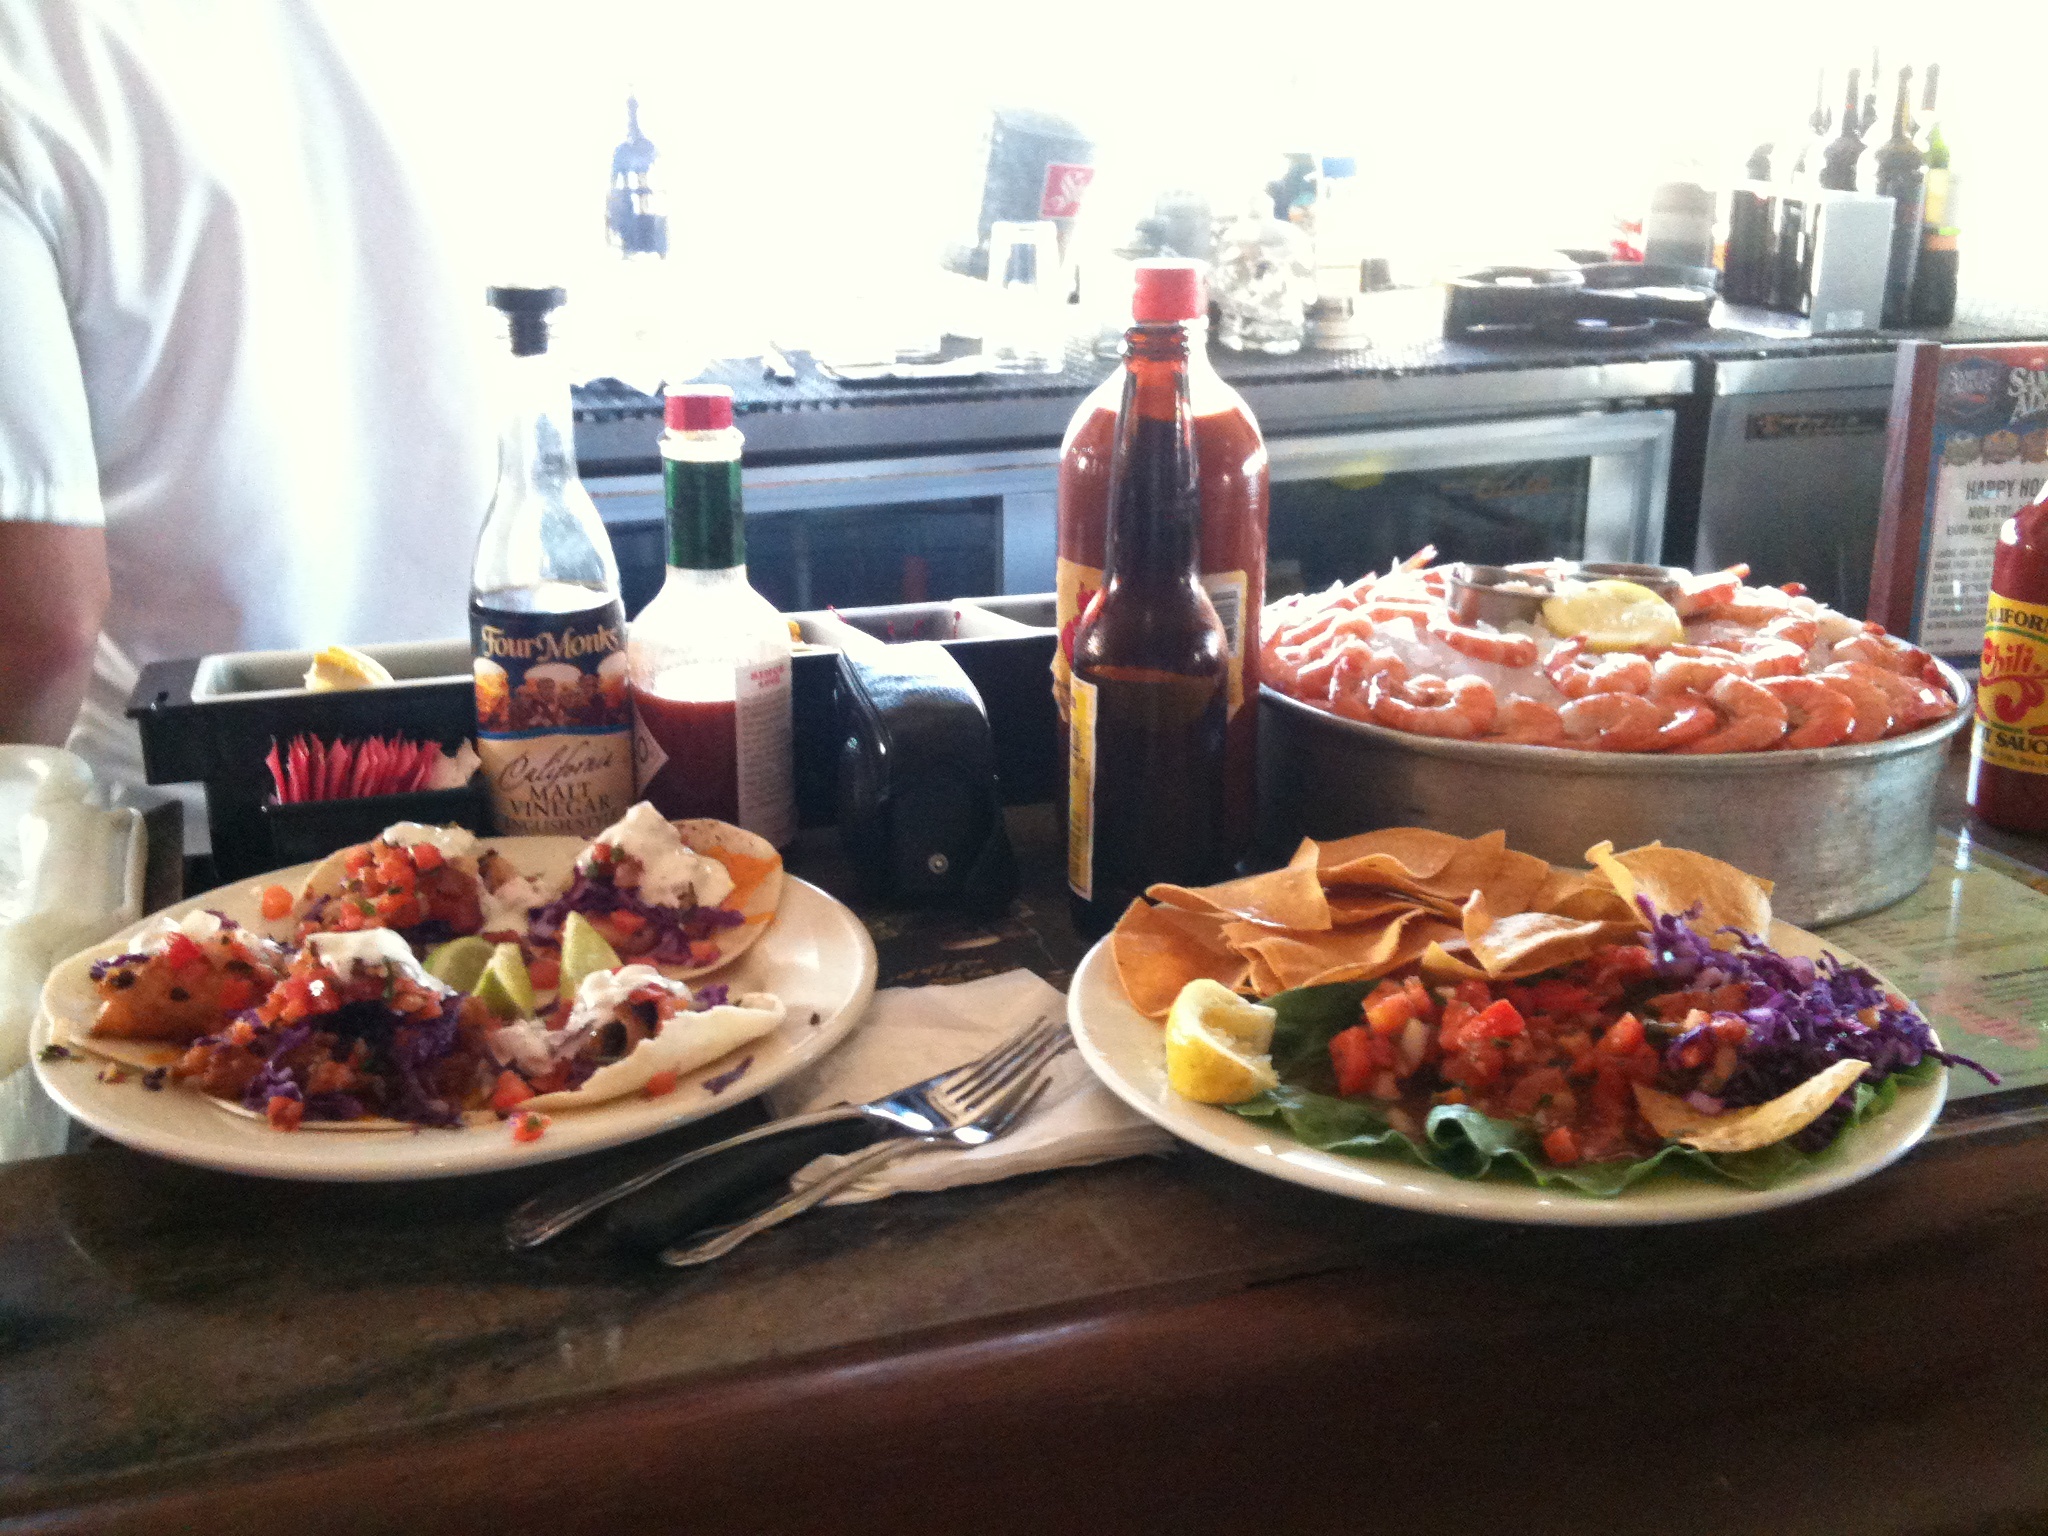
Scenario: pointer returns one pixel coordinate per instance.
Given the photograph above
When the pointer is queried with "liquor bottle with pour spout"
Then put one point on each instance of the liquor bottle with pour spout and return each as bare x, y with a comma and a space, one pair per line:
709, 658
547, 629
1150, 689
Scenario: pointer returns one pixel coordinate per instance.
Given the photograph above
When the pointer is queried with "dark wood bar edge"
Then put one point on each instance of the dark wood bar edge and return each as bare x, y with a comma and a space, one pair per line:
1873, 1363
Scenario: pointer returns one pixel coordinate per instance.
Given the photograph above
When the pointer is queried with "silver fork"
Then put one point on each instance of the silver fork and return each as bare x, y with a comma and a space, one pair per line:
941, 1103
997, 1120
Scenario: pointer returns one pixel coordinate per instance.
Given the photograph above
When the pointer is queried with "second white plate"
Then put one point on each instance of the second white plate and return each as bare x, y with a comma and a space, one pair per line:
1127, 1051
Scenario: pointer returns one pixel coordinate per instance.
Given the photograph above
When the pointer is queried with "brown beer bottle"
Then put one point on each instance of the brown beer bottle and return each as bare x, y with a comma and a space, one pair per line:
1151, 666
1232, 457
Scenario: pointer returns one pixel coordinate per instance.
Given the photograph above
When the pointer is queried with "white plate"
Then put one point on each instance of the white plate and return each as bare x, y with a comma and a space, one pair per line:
816, 956
1127, 1051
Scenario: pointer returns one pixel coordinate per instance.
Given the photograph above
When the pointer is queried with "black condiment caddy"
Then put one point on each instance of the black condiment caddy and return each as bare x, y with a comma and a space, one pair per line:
211, 720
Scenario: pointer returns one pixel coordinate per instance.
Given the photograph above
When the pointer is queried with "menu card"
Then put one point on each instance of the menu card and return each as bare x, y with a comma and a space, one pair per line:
1966, 447
1968, 948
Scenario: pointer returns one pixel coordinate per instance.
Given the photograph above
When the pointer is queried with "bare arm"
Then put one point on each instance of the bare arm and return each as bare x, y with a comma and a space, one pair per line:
53, 596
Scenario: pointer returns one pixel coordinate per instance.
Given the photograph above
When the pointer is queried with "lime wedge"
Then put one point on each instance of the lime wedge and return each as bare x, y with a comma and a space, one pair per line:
1613, 616
460, 962
504, 987
584, 953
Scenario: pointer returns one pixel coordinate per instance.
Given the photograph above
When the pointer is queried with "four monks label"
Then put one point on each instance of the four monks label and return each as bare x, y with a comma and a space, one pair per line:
554, 722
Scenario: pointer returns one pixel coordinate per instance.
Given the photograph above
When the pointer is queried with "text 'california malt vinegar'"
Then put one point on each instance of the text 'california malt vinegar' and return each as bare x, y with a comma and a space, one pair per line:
1231, 463
2009, 754
1149, 693
554, 726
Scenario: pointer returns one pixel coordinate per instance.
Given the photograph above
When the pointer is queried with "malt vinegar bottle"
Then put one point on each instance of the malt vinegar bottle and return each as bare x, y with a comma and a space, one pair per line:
554, 723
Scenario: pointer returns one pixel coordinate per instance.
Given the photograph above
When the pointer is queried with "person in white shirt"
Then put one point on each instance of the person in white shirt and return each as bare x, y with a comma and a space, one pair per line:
238, 400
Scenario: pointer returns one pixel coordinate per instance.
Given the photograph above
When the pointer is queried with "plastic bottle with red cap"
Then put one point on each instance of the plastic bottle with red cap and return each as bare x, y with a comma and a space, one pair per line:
709, 659
1232, 491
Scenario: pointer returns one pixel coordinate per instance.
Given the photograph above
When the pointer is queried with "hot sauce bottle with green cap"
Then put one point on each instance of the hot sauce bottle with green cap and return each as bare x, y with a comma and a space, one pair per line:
709, 658
2009, 753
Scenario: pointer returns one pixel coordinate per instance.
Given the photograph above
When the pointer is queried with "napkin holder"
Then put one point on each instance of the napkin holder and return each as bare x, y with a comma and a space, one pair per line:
919, 813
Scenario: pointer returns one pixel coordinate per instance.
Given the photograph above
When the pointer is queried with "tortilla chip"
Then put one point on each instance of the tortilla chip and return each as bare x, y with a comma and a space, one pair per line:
1450, 961
1674, 880
1159, 950
1281, 898
1523, 943
1414, 853
1759, 1125
1345, 954
1349, 909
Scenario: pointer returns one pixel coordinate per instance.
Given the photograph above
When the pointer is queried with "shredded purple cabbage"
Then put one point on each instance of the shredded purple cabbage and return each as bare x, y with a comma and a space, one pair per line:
404, 1049
1803, 1017
99, 968
675, 928
725, 1079
704, 999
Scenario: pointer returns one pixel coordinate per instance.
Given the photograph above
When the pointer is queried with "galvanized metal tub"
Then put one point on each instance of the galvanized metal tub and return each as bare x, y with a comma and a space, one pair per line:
1841, 830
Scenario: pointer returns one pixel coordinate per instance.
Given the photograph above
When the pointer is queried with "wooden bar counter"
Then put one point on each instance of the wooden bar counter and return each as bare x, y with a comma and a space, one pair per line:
1161, 1344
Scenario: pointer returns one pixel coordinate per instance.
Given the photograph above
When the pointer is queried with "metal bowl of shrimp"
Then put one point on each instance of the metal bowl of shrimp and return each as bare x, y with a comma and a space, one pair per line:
1824, 780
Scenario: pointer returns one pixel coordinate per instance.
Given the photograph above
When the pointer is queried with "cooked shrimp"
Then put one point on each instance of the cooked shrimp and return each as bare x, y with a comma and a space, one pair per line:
1578, 673
1752, 606
1676, 674
1427, 705
1882, 650
1304, 630
1527, 722
1795, 628
1914, 702
1754, 719
1502, 648
1772, 658
1696, 594
1821, 713
1873, 706
1357, 666
1612, 722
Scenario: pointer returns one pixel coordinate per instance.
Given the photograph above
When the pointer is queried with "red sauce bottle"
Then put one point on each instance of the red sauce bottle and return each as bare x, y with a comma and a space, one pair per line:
2009, 754
1233, 489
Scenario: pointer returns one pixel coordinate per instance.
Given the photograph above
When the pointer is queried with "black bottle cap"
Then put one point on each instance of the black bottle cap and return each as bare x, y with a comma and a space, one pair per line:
527, 311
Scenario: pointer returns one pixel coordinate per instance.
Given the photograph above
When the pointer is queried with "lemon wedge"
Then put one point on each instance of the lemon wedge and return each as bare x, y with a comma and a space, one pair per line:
504, 987
342, 667
1216, 1045
1613, 616
584, 953
460, 962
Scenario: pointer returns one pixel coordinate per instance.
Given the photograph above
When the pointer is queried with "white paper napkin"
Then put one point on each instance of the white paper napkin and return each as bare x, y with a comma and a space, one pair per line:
910, 1033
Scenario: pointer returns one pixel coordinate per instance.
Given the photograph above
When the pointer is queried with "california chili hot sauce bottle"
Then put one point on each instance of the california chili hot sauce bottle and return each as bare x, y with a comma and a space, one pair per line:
2009, 752
1150, 684
1231, 457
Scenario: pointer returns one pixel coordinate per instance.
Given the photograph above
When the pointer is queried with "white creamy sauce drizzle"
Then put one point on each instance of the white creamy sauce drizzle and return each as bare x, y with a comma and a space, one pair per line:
507, 906
342, 952
454, 842
603, 991
668, 869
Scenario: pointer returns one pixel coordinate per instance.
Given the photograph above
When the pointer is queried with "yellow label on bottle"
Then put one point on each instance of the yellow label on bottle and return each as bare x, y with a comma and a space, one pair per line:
1073, 585
1081, 790
1227, 592
2012, 686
